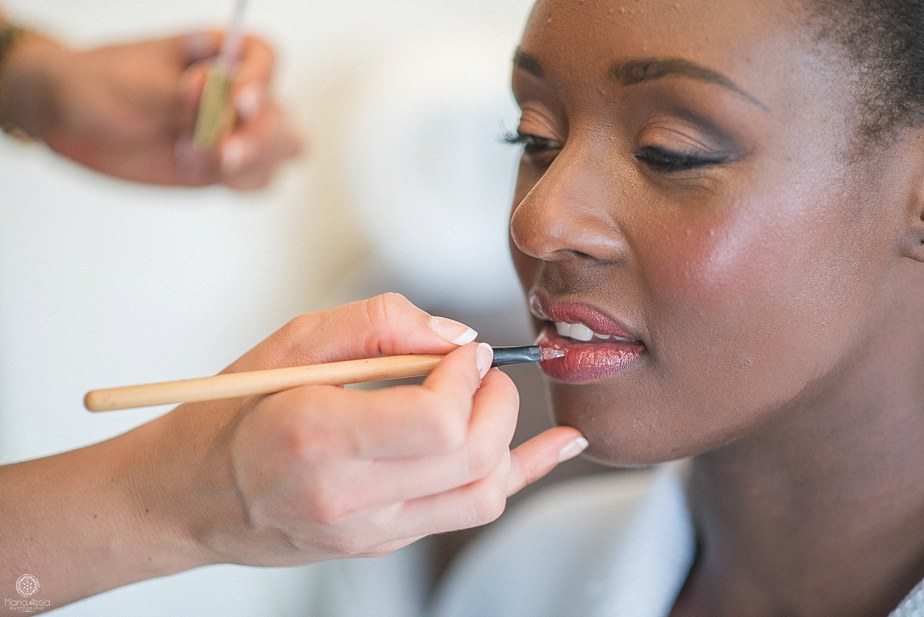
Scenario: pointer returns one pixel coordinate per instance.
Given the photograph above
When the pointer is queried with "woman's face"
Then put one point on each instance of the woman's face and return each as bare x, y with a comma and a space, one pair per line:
687, 185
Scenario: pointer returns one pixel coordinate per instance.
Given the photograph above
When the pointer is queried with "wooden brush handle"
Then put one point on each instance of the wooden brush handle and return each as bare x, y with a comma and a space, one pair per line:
230, 385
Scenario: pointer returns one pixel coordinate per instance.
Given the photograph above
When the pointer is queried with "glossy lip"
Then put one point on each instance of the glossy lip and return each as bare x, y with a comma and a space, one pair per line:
590, 361
594, 318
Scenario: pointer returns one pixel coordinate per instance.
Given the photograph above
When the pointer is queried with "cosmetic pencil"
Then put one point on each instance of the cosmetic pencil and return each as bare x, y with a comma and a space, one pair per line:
231, 385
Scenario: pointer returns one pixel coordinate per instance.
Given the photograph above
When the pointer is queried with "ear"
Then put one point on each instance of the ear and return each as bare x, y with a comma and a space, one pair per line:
913, 239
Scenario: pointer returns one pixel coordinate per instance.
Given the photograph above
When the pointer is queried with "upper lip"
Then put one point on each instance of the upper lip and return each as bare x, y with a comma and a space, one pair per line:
572, 311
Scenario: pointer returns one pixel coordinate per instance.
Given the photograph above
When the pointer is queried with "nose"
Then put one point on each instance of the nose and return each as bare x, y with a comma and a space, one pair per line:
570, 212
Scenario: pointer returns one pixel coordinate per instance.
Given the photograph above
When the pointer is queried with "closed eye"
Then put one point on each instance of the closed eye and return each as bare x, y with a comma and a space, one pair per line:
532, 144
667, 161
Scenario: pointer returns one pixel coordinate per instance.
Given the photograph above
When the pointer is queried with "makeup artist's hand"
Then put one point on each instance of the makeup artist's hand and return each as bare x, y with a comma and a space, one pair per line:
322, 472
129, 110
302, 476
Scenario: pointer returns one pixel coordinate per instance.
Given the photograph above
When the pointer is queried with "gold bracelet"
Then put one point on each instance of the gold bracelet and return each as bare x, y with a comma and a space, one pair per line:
9, 35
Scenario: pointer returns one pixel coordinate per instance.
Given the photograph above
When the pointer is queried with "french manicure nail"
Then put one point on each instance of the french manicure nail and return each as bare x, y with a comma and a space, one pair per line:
571, 450
484, 358
453, 331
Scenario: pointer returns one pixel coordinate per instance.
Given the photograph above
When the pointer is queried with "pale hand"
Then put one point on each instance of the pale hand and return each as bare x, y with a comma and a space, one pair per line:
322, 472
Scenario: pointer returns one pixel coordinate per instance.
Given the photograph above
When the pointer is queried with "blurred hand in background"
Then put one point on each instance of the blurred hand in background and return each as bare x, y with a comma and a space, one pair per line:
129, 110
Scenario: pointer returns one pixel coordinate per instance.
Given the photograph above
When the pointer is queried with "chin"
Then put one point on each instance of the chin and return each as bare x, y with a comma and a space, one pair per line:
626, 430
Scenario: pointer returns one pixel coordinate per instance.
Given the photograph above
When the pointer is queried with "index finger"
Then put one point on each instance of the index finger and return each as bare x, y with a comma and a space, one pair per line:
388, 324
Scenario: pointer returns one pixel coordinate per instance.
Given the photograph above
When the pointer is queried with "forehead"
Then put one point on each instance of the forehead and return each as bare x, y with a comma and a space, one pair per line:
759, 44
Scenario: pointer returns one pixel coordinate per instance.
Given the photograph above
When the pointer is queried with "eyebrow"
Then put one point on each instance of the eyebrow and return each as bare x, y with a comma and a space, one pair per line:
528, 63
638, 70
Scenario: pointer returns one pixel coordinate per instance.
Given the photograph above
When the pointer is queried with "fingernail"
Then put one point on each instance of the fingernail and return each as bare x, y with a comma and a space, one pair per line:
453, 331
484, 358
232, 156
573, 448
249, 102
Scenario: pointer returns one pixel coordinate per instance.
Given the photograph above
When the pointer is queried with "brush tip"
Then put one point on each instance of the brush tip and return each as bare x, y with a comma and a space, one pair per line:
551, 353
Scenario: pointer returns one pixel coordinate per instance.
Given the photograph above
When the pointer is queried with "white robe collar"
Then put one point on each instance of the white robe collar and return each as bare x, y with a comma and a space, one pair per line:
654, 557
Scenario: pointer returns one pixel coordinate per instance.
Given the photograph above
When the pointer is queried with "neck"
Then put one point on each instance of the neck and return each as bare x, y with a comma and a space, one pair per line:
819, 513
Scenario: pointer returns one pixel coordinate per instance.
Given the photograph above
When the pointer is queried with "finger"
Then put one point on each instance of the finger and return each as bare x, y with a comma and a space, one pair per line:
541, 454
390, 547
457, 377
401, 421
194, 167
359, 427
254, 74
255, 66
472, 505
192, 81
254, 151
410, 420
395, 480
200, 45
484, 501
388, 324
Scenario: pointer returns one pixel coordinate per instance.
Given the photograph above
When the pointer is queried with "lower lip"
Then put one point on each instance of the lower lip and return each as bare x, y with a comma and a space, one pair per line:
586, 362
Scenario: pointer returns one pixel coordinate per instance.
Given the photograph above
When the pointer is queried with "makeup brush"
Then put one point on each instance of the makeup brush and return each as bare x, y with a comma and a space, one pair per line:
215, 115
230, 385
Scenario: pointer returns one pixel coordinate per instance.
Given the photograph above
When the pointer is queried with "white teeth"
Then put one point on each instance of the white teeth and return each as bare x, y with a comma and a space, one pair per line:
580, 332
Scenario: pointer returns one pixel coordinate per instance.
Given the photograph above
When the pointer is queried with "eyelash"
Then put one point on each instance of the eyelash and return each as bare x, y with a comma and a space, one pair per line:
659, 159
668, 161
532, 144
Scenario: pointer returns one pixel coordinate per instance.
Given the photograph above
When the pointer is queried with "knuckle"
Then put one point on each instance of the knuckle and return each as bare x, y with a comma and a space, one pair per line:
384, 307
512, 391
507, 387
326, 505
420, 400
384, 550
261, 45
298, 327
350, 545
488, 504
457, 410
307, 444
445, 432
378, 552
382, 312
394, 300
482, 459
